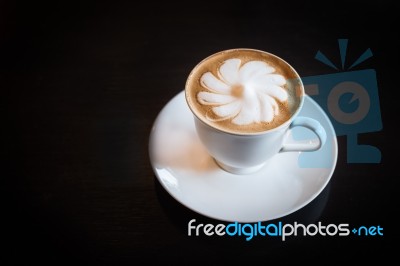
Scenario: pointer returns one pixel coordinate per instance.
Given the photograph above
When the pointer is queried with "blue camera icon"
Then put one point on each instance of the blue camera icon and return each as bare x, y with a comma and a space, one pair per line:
351, 101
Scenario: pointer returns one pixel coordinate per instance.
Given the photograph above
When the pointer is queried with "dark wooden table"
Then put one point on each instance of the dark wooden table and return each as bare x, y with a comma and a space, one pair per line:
82, 84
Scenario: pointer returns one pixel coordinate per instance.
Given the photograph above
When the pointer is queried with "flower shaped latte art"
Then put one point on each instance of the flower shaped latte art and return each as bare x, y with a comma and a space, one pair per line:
245, 93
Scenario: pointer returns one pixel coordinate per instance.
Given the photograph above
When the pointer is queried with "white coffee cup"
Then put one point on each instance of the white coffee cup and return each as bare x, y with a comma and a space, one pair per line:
246, 153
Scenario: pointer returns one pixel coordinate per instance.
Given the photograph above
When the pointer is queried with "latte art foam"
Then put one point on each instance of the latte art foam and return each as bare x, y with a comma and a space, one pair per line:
246, 93
243, 91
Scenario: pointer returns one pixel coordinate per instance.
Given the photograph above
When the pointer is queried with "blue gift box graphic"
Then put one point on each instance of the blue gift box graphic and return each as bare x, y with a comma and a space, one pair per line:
351, 101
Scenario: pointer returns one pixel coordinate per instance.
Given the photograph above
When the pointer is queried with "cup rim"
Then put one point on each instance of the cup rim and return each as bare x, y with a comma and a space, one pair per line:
259, 133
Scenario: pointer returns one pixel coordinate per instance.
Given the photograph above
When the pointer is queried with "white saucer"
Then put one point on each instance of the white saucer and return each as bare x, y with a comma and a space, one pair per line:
286, 183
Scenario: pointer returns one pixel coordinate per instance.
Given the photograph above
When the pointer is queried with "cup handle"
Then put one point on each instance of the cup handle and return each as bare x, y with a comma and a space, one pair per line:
314, 126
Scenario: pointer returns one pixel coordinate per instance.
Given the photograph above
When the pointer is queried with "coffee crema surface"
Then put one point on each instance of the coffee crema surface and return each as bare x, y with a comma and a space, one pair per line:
243, 91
